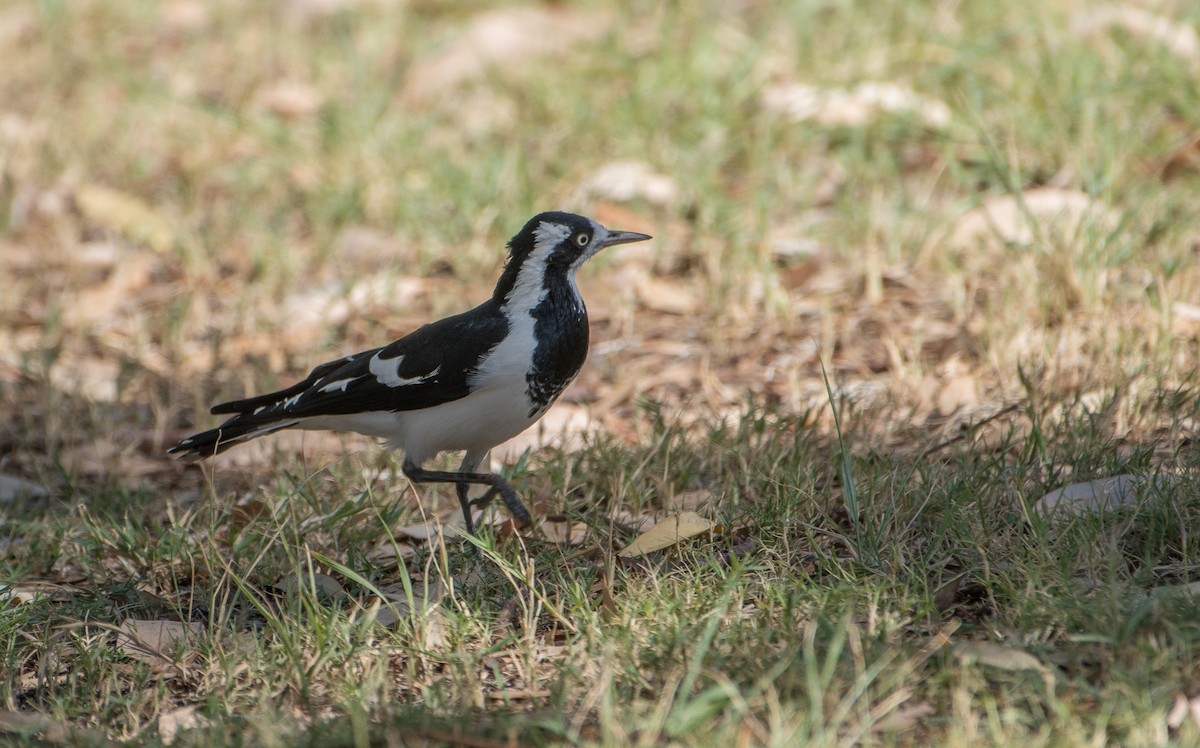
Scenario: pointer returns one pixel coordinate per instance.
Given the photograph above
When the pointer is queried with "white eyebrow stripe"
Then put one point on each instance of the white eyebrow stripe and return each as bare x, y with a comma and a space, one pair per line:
549, 235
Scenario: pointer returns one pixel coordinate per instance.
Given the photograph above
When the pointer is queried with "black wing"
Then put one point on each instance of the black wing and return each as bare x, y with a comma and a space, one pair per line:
428, 367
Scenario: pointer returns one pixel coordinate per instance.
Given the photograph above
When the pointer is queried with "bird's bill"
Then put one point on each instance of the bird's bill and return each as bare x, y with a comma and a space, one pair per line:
623, 237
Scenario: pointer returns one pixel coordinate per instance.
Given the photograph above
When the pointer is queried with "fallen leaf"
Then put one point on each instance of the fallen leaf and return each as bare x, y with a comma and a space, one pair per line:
906, 717
170, 724
290, 100
125, 214
630, 180
323, 583
398, 606
391, 552
563, 428
668, 297
184, 15
562, 532
502, 39
13, 488
668, 532
999, 656
1016, 219
154, 641
1102, 493
28, 724
960, 392
1179, 38
688, 500
855, 107
452, 526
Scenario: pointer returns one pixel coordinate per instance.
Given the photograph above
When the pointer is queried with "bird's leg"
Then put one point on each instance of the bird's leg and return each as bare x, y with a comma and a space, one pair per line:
462, 480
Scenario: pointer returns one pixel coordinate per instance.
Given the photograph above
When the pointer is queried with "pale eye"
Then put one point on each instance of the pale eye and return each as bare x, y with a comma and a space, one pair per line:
582, 239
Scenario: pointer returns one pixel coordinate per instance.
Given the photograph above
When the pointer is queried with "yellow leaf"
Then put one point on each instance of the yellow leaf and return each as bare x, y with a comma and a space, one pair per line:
126, 215
672, 530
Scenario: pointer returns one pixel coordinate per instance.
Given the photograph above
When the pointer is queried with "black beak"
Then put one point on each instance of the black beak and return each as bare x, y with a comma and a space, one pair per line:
623, 237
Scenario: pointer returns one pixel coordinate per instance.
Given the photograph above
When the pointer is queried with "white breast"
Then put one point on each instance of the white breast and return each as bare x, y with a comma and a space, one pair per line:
478, 421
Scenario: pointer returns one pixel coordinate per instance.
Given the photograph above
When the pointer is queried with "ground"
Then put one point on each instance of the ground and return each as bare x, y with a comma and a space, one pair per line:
916, 268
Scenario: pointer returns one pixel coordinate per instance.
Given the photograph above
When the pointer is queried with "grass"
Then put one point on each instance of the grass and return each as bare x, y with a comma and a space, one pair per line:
868, 398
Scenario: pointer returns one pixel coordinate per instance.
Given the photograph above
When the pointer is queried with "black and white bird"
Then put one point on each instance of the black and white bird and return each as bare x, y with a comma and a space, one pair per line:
464, 383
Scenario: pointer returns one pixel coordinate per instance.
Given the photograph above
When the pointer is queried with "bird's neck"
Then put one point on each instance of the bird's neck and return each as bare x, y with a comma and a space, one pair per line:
534, 284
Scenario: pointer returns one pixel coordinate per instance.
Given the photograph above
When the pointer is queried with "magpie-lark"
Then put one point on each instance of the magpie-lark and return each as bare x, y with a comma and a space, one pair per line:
464, 383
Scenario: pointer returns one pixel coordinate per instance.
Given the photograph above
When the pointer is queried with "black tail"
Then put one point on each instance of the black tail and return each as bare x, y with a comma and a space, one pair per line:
241, 428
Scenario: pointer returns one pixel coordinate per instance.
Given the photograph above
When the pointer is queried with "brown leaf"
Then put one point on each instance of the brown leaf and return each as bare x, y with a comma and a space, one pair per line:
13, 488
855, 107
1178, 38
688, 500
323, 583
391, 552
502, 39
1008, 217
959, 392
1102, 493
154, 641
668, 297
125, 214
28, 724
451, 526
170, 724
290, 100
668, 532
1001, 657
629, 180
906, 717
562, 532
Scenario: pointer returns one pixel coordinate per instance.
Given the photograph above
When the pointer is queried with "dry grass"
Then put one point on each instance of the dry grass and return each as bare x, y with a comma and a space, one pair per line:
979, 218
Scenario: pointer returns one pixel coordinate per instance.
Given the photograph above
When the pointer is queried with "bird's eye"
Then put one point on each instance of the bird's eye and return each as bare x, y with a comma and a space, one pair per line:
582, 239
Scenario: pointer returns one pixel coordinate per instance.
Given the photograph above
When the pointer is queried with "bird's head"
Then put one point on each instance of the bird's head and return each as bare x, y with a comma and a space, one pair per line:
554, 242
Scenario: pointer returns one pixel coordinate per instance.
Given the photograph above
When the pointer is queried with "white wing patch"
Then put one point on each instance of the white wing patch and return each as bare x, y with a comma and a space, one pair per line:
339, 385
387, 372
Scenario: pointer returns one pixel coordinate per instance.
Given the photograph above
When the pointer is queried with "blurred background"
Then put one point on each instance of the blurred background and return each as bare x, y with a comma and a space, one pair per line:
953, 206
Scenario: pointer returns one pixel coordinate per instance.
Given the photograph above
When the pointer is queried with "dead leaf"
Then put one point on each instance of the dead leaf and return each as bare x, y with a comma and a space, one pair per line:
184, 15
630, 180
1102, 493
170, 724
1017, 219
688, 500
906, 717
397, 604
154, 641
99, 305
333, 304
290, 100
855, 107
323, 583
28, 724
452, 526
125, 214
563, 427
91, 378
668, 297
563, 532
668, 532
391, 552
960, 392
1001, 657
13, 488
503, 39
1178, 38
